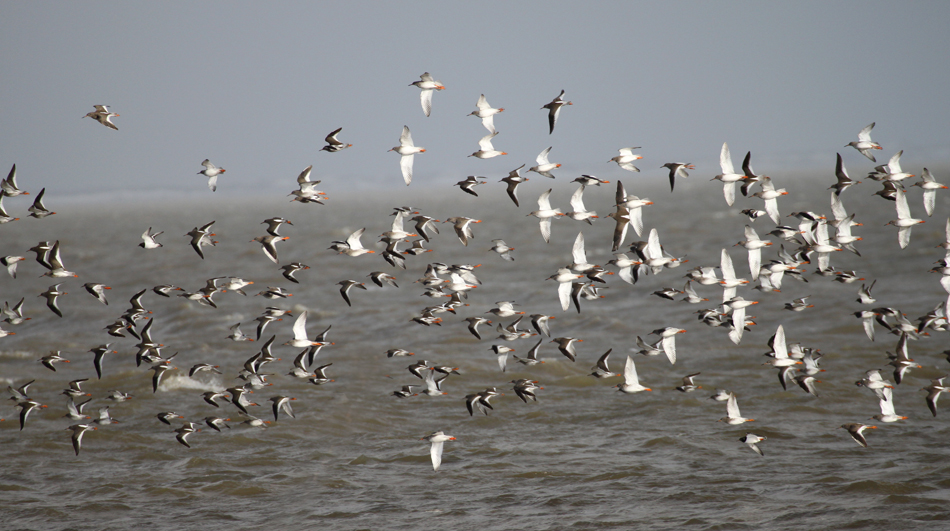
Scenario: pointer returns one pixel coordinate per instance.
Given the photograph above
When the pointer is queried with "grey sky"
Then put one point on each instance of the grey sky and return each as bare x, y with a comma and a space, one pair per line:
256, 86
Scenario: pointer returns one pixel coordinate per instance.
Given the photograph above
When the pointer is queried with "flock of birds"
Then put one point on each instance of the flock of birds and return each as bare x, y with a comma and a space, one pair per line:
808, 242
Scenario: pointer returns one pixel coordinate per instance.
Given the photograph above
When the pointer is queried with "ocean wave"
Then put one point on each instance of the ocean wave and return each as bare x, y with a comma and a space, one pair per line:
183, 381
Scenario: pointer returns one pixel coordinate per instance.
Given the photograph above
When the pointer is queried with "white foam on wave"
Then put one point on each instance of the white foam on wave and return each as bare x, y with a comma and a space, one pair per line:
183, 381
17, 354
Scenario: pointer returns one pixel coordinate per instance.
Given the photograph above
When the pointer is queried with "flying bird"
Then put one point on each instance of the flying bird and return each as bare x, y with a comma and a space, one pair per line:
427, 84
408, 151
211, 172
728, 177
334, 144
435, 451
677, 169
486, 113
626, 157
78, 431
864, 144
103, 115
544, 166
554, 109
751, 440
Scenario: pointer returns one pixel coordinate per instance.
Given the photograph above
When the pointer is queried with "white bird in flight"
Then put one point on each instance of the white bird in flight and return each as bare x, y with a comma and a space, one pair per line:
407, 149
435, 451
427, 84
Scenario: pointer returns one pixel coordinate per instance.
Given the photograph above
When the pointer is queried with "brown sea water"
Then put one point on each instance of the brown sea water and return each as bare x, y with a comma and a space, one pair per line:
583, 456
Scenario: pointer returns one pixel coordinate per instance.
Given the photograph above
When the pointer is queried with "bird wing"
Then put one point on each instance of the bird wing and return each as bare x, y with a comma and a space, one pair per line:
426, 98
778, 344
653, 249
756, 449
300, 326
725, 264
840, 171
602, 361
669, 347
821, 233
435, 451
729, 191
546, 229
630, 373
577, 200
837, 207
502, 361
533, 353
331, 138
732, 407
77, 439
636, 219
552, 116
725, 160
903, 237
894, 165
485, 142
543, 156
38, 202
431, 385
738, 325
887, 403
564, 294
620, 229
930, 200
869, 328
771, 208
354, 239
755, 262
864, 135
578, 252
630, 167
405, 139
304, 176
405, 164
54, 257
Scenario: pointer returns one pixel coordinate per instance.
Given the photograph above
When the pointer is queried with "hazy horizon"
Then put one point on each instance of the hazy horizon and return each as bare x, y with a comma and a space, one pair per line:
256, 88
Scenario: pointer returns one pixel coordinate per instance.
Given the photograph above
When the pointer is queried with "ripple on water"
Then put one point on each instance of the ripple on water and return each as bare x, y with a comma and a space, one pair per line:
340, 514
863, 523
939, 513
12, 487
219, 515
105, 507
731, 526
204, 463
885, 487
236, 488
108, 488
830, 479
542, 474
614, 476
365, 460
162, 491
660, 441
901, 499
624, 524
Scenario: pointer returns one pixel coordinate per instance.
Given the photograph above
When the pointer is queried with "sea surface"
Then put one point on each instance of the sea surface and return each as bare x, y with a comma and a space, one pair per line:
583, 456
